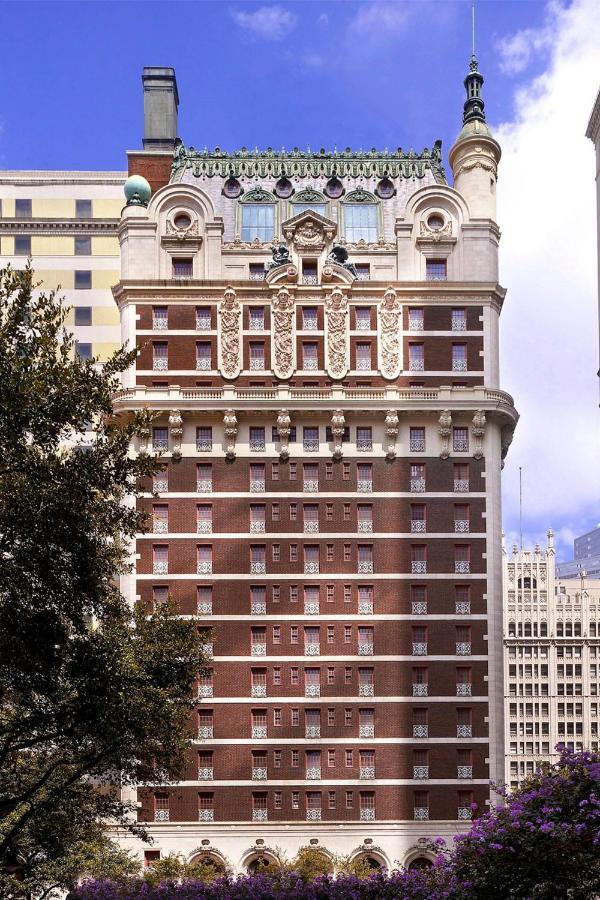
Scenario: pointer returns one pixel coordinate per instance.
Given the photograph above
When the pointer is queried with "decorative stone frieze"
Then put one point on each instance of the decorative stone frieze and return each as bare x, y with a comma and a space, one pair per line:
230, 335
445, 432
337, 335
230, 424
283, 339
389, 343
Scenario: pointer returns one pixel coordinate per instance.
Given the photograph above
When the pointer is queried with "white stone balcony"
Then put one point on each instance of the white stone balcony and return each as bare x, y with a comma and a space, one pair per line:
463, 608
365, 567
312, 649
366, 690
366, 731
160, 526
203, 526
257, 445
461, 485
204, 446
365, 526
420, 690
205, 691
313, 815
161, 815
206, 815
160, 364
419, 607
310, 365
313, 774
462, 567
310, 486
463, 648
160, 445
258, 607
257, 527
312, 690
204, 568
312, 731
460, 445
420, 731
160, 485
259, 815
204, 486
258, 690
418, 526
259, 773
259, 731
417, 445
258, 568
365, 649
160, 567
205, 773
464, 772
416, 365
205, 732
257, 364
421, 813
364, 486
311, 527
311, 568
418, 567
202, 323
419, 648
461, 526
459, 365
257, 486
203, 364
311, 608
420, 772
258, 650
365, 607
464, 731
417, 485
310, 446
463, 690
367, 814
465, 813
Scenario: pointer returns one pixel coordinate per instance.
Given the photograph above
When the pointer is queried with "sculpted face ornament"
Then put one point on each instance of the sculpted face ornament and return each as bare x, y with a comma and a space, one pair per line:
445, 431
391, 432
230, 428
284, 431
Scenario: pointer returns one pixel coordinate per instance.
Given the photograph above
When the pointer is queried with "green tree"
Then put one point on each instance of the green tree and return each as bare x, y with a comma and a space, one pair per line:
91, 690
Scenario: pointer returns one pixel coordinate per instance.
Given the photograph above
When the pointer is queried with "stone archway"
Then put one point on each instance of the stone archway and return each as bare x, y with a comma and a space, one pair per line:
372, 857
260, 860
212, 862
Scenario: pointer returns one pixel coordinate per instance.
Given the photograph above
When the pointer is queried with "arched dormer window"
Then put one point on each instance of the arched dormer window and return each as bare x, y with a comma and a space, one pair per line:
309, 199
360, 217
257, 216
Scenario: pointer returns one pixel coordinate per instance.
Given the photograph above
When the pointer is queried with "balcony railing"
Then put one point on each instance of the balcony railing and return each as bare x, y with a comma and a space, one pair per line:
310, 527
310, 485
420, 690
365, 607
259, 773
258, 607
365, 567
461, 526
418, 526
464, 772
259, 815
312, 690
204, 446
309, 324
257, 364
364, 486
366, 690
366, 731
366, 773
364, 445
205, 732
313, 774
161, 815
257, 324
417, 445
367, 814
160, 567
205, 608
258, 568
415, 324
463, 690
419, 648
257, 527
460, 445
464, 813
203, 526
205, 691
463, 648
310, 445
420, 771
311, 608
462, 567
203, 364
313, 815
417, 485
257, 445
421, 813
312, 649
160, 364
257, 486
461, 485
160, 323
464, 731
205, 773
420, 731
204, 568
463, 607
258, 650
416, 365
418, 567
160, 526
459, 323
365, 649
259, 731
203, 323
419, 607
459, 365
204, 486
311, 568
310, 365
365, 526
312, 731
160, 485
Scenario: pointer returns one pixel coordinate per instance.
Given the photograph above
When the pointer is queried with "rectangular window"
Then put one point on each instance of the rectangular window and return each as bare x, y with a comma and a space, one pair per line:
83, 351
415, 319
83, 209
363, 271
460, 440
364, 438
256, 318
363, 357
83, 315
330, 593
417, 440
22, 209
349, 799
435, 270
459, 320
360, 222
309, 271
22, 245
309, 318
83, 246
204, 438
258, 221
416, 357
459, 358
330, 675
295, 675
256, 271
331, 716
182, 267
83, 279
347, 593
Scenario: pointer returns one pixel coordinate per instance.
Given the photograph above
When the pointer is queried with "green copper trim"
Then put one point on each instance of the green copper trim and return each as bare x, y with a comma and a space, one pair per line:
305, 164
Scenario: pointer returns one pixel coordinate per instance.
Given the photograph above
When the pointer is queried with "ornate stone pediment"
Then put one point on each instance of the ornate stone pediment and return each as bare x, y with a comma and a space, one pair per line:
309, 230
438, 236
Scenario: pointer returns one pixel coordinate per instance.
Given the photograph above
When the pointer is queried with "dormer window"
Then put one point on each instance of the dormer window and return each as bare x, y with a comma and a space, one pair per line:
360, 217
257, 216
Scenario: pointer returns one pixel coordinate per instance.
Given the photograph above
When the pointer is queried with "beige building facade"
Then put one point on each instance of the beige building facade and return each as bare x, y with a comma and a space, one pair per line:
552, 660
67, 223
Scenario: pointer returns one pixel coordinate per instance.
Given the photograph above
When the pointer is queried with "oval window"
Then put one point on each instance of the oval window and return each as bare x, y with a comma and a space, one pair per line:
385, 189
435, 222
182, 220
334, 188
284, 188
232, 187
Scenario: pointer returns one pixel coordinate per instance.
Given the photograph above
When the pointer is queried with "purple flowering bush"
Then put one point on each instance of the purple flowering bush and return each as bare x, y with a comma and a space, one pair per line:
543, 843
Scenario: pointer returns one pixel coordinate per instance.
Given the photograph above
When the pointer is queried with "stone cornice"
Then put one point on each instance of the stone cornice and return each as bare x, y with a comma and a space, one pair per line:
40, 177
58, 226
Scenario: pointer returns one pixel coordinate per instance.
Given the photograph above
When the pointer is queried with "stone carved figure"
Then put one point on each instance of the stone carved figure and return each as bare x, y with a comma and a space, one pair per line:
281, 257
338, 423
230, 337
337, 335
479, 422
144, 436
391, 432
176, 431
339, 256
389, 344
282, 334
230, 424
284, 430
445, 432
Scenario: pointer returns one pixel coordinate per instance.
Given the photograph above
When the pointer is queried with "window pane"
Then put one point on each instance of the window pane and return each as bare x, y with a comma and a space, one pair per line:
258, 221
22, 246
83, 315
23, 209
83, 246
83, 209
302, 207
83, 279
360, 222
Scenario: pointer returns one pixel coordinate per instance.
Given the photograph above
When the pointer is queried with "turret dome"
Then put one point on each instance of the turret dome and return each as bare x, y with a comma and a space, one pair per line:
137, 191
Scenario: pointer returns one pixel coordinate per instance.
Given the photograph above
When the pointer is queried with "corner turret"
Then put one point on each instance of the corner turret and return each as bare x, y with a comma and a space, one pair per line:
475, 155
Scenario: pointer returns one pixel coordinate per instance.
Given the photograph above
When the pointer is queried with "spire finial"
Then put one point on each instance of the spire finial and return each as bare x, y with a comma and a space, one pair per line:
474, 105
473, 23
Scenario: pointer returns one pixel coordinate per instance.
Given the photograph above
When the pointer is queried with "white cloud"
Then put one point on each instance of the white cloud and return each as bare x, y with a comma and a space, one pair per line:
380, 21
549, 325
271, 23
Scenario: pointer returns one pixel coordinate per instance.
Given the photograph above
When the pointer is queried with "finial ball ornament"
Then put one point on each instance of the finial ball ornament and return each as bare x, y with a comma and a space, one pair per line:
137, 191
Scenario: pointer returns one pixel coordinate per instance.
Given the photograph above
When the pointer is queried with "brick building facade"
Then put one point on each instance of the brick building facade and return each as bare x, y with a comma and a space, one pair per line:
318, 338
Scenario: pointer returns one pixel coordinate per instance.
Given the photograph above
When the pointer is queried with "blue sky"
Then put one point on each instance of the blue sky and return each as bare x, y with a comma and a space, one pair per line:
364, 73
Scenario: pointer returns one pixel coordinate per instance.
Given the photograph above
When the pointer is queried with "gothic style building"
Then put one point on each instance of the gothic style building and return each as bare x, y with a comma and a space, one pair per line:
318, 338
